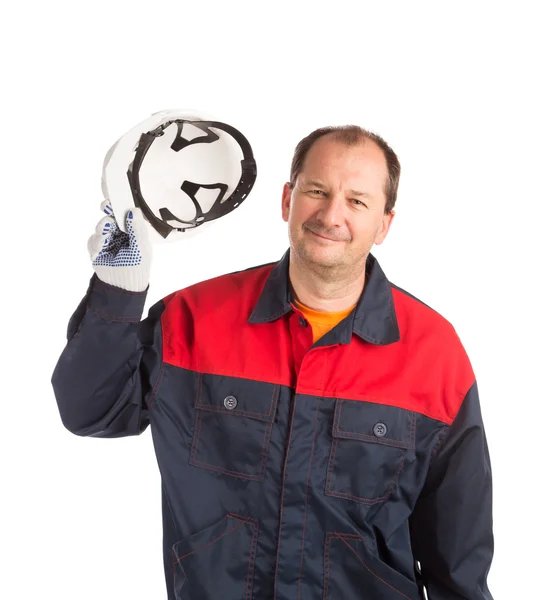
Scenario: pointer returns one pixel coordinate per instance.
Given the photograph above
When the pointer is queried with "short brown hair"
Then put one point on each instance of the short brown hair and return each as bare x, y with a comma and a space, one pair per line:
351, 135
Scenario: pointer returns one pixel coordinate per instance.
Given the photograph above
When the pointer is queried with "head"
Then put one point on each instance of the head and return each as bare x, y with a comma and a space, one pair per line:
340, 198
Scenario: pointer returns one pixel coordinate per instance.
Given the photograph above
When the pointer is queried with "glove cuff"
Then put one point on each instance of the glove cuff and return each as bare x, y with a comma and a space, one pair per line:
132, 279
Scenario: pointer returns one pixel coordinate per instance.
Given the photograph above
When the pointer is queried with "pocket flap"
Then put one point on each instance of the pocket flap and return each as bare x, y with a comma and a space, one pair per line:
236, 396
373, 422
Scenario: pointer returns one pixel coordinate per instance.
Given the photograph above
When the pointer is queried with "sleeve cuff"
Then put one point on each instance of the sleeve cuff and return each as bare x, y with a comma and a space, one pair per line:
114, 303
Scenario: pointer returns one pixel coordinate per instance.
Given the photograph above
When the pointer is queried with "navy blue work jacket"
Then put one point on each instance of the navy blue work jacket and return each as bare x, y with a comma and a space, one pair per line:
353, 468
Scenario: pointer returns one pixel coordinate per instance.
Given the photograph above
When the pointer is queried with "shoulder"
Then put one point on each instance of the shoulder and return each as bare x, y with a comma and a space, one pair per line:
412, 312
239, 288
432, 338
409, 307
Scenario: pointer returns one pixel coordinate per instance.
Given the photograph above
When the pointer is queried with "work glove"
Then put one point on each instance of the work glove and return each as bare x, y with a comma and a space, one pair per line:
121, 259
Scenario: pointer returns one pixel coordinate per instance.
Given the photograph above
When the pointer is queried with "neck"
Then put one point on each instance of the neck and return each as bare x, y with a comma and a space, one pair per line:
325, 293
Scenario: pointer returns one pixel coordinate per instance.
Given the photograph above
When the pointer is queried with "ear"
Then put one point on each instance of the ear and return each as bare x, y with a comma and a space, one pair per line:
385, 227
286, 201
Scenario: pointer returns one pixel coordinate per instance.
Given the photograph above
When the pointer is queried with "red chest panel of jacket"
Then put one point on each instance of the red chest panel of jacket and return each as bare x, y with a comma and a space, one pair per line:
206, 329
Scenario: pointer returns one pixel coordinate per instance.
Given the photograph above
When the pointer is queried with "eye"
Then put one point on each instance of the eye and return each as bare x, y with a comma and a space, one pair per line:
317, 191
357, 202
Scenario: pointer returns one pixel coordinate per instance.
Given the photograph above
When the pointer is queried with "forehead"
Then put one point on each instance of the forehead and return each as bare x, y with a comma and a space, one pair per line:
329, 158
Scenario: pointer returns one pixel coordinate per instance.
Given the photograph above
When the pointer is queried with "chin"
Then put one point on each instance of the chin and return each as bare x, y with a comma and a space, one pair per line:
322, 257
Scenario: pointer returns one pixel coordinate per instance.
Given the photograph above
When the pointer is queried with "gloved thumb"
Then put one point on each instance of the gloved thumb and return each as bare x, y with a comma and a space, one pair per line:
137, 228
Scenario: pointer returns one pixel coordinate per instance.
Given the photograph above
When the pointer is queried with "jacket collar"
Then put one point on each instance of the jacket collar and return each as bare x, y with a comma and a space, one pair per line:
373, 319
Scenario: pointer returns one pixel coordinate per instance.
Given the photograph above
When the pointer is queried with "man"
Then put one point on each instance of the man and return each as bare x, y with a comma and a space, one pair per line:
318, 429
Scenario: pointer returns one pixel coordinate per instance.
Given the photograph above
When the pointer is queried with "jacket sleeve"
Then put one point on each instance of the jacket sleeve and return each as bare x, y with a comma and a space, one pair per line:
451, 524
104, 379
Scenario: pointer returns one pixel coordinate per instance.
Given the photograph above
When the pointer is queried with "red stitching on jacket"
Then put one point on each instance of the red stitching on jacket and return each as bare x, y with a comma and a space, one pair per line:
210, 467
329, 491
252, 551
326, 562
209, 543
364, 500
113, 319
241, 517
213, 408
326, 576
373, 438
306, 500
341, 536
330, 464
156, 387
251, 565
251, 477
282, 498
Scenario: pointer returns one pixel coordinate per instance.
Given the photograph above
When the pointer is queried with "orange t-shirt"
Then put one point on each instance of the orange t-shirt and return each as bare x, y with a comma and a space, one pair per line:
322, 322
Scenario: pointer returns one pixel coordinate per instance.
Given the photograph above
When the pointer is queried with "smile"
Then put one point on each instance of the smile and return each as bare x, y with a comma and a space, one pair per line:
323, 237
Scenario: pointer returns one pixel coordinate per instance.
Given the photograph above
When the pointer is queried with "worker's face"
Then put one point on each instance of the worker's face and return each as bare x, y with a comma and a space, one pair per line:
331, 226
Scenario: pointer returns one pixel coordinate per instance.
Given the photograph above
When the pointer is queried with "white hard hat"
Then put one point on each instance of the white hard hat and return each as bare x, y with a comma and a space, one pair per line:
182, 169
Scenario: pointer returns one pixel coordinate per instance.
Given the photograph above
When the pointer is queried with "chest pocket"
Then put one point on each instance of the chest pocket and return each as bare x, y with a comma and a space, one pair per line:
370, 443
234, 419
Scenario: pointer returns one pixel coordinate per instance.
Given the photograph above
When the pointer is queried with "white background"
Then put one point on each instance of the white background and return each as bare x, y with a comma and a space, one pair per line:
458, 92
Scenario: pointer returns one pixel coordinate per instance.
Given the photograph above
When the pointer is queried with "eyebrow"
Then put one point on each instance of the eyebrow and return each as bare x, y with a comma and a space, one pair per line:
320, 185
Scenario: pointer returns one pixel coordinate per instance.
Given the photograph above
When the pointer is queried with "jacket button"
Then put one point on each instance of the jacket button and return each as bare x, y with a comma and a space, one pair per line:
303, 321
380, 429
230, 402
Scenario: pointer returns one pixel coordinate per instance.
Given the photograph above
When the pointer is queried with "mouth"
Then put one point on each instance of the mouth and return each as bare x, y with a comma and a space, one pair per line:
323, 237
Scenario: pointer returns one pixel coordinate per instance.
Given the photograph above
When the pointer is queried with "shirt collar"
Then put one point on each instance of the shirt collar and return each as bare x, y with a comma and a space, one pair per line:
373, 319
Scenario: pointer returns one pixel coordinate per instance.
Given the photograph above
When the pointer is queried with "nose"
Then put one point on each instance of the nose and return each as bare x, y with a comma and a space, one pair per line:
332, 212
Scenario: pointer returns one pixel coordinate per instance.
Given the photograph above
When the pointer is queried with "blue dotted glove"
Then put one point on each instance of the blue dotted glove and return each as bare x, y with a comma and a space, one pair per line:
121, 259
